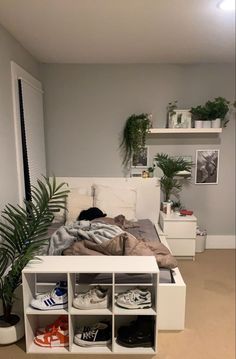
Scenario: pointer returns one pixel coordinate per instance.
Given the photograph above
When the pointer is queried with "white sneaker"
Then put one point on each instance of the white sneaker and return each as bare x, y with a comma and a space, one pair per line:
95, 298
56, 299
135, 299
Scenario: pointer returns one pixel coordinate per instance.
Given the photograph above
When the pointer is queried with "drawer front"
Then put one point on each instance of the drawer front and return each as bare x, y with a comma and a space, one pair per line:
180, 229
182, 247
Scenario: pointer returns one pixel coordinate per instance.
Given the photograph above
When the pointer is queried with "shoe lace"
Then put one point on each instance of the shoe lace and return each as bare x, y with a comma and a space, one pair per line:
89, 334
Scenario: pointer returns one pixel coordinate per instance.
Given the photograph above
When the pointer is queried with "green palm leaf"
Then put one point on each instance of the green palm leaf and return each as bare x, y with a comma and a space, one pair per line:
24, 231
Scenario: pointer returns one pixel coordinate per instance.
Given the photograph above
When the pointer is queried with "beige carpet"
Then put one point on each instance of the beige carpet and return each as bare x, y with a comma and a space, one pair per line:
210, 314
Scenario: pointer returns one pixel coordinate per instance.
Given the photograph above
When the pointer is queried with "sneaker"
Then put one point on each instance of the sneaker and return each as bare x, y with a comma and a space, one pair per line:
139, 333
61, 322
96, 335
56, 299
96, 298
60, 284
134, 299
56, 337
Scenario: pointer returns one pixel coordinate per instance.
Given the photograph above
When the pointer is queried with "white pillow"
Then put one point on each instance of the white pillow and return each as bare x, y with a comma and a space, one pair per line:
114, 200
78, 200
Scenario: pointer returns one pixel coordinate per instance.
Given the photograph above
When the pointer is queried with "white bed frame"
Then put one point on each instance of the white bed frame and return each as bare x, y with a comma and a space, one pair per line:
172, 296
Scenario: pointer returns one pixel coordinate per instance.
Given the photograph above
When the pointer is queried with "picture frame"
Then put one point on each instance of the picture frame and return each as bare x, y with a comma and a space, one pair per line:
180, 119
141, 161
207, 166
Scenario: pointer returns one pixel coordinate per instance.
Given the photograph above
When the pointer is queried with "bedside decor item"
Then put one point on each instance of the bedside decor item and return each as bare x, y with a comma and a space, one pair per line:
134, 137
24, 231
207, 166
170, 167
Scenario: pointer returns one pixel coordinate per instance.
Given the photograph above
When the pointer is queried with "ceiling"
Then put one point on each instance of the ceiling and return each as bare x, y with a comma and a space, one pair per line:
121, 31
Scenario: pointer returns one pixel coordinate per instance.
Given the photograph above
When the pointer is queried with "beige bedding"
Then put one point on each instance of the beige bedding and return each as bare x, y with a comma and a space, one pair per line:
125, 244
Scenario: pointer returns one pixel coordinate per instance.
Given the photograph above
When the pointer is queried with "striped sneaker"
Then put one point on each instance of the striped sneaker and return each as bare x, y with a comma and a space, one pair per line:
56, 299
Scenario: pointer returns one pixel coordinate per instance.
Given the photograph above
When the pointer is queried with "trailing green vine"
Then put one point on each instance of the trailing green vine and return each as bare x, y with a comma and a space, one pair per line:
134, 136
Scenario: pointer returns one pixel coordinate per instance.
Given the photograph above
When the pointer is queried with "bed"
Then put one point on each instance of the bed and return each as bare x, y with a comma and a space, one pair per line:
137, 199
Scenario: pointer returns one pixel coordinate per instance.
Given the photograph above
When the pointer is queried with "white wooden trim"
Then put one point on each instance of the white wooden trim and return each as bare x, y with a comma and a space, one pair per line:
220, 242
18, 72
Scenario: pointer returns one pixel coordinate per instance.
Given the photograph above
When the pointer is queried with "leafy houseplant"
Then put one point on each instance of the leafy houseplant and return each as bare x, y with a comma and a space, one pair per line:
212, 110
170, 168
23, 231
218, 108
134, 136
199, 113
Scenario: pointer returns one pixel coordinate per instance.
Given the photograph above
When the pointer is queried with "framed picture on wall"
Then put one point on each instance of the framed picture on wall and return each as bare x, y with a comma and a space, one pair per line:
141, 160
207, 166
180, 119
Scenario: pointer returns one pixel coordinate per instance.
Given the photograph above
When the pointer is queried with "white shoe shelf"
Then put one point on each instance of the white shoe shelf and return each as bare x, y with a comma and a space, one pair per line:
42, 273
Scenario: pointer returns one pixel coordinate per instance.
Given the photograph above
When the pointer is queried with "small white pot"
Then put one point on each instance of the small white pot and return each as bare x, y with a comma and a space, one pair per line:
198, 123
13, 333
206, 124
216, 123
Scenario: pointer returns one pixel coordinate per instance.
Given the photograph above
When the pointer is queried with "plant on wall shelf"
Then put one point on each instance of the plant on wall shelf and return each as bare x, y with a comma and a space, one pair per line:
212, 110
23, 231
170, 167
134, 136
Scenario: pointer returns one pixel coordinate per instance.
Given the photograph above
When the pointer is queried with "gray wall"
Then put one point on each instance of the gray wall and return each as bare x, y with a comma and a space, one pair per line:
10, 50
86, 107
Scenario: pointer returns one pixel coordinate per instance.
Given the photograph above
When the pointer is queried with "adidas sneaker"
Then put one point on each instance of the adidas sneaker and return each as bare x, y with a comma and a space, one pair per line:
135, 299
96, 298
96, 335
56, 299
60, 284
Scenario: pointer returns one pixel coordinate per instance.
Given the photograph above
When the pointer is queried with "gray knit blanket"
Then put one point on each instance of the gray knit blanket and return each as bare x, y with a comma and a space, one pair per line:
96, 232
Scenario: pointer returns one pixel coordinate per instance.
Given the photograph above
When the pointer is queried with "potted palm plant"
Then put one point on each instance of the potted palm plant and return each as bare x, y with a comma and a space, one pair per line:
134, 137
23, 231
170, 183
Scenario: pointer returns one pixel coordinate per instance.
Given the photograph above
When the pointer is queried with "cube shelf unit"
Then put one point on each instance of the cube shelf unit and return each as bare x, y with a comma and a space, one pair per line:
71, 268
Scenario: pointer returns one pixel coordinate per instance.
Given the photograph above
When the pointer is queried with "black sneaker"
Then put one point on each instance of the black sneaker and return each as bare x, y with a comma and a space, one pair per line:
139, 333
95, 335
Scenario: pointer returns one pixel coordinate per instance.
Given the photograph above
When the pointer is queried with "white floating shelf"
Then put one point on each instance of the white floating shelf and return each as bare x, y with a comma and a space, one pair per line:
184, 130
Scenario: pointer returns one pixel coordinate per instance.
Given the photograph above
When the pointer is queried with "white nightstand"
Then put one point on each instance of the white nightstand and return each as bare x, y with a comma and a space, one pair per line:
180, 232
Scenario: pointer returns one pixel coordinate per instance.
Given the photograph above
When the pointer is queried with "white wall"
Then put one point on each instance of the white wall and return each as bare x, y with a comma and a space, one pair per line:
10, 50
86, 108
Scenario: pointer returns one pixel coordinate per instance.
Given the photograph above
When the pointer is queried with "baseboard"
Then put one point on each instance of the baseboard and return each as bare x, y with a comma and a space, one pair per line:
220, 242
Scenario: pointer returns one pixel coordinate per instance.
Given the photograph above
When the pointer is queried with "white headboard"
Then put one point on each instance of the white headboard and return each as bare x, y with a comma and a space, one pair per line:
148, 191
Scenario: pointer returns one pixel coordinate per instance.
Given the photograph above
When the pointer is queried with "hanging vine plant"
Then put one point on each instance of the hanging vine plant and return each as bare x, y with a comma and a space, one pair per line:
134, 136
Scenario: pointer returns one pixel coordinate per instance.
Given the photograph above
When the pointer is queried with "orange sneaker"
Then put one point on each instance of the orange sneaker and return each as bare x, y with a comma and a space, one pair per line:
60, 322
54, 338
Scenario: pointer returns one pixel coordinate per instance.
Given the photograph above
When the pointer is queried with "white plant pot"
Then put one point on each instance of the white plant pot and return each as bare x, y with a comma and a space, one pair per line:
198, 124
13, 333
206, 124
216, 123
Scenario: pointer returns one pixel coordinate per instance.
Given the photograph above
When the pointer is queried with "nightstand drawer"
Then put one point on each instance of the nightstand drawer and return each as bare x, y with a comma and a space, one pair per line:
183, 247
179, 229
